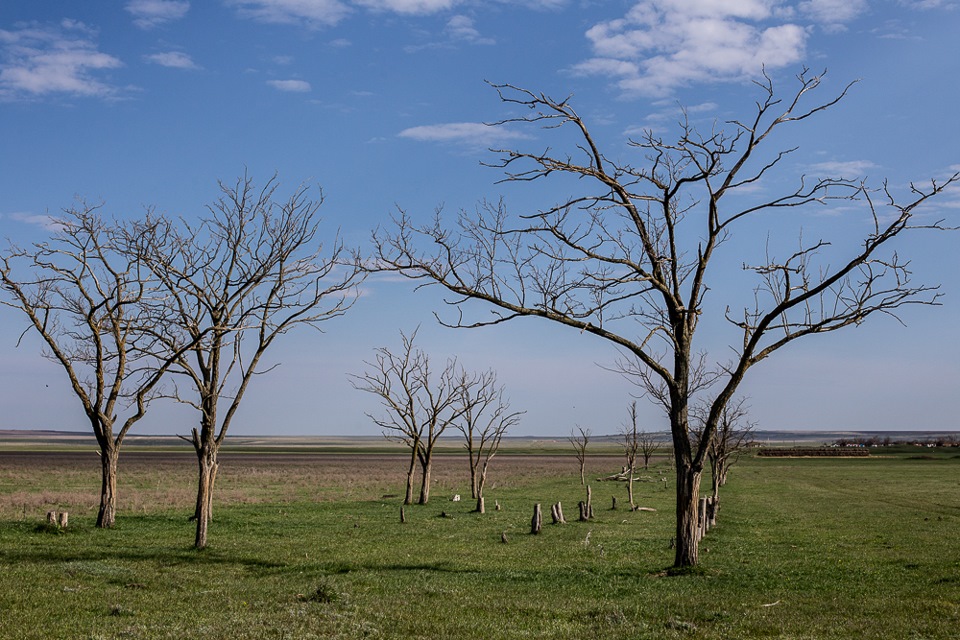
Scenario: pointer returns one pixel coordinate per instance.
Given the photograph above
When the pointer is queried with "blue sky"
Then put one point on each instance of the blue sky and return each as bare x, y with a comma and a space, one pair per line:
147, 103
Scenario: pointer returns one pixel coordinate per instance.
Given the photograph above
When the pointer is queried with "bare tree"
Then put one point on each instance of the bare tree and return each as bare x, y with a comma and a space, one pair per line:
629, 256
249, 272
485, 420
580, 438
631, 447
649, 444
419, 404
84, 296
733, 435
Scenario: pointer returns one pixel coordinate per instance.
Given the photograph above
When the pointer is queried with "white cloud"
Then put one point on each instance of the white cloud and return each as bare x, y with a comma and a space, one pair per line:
662, 45
173, 59
295, 86
843, 168
408, 7
310, 13
148, 14
470, 133
37, 60
461, 28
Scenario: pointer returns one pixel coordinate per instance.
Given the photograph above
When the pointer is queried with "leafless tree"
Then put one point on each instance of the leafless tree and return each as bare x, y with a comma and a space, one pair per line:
84, 297
580, 438
247, 273
649, 444
485, 420
629, 256
733, 435
631, 447
419, 404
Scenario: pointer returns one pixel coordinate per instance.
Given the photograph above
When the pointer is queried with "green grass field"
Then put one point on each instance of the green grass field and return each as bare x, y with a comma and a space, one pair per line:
312, 547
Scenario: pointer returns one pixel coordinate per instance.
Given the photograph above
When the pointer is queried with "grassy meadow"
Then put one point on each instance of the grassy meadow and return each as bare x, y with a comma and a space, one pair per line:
310, 545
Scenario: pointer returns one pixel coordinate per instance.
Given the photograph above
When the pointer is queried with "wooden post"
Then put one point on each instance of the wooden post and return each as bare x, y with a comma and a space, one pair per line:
63, 519
52, 517
537, 521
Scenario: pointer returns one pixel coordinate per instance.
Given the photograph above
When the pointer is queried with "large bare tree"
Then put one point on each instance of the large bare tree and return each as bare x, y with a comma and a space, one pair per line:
629, 257
485, 420
84, 296
419, 403
247, 273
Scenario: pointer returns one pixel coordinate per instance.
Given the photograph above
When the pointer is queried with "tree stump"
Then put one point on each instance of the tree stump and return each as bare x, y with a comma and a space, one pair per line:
63, 519
556, 512
403, 517
537, 521
583, 511
503, 537
614, 507
481, 507
496, 505
589, 503
52, 517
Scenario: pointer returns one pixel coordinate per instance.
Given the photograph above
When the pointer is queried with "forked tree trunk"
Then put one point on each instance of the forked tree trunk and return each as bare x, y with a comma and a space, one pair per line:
207, 467
688, 496
107, 514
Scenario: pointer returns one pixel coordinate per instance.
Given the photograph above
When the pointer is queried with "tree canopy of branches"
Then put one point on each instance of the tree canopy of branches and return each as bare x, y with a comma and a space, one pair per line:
247, 273
579, 439
84, 296
630, 256
485, 420
419, 403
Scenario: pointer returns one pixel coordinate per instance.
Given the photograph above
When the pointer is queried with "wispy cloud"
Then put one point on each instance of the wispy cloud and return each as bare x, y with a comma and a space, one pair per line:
662, 45
148, 14
460, 28
408, 7
466, 133
40, 60
173, 59
832, 15
843, 168
43, 220
309, 13
293, 86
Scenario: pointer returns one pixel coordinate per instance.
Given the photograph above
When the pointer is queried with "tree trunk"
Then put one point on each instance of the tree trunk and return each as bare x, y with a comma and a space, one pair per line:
537, 521
688, 497
474, 479
481, 507
630, 487
107, 514
207, 467
408, 498
425, 483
